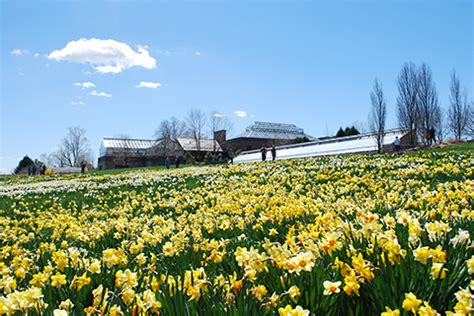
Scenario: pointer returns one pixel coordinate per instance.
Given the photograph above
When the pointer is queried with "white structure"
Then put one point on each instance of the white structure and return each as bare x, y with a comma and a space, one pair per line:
66, 170
189, 144
111, 146
357, 144
277, 131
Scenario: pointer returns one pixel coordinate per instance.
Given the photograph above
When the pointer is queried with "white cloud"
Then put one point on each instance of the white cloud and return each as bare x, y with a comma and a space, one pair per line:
148, 84
19, 52
107, 56
240, 113
37, 54
218, 115
197, 53
109, 69
77, 103
168, 53
85, 85
100, 94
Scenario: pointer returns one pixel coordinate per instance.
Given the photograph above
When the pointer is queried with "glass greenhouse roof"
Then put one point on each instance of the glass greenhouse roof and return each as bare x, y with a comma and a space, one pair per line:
273, 131
363, 143
128, 143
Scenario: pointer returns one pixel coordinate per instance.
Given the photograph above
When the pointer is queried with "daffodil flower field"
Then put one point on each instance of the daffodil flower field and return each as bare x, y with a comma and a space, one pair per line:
354, 235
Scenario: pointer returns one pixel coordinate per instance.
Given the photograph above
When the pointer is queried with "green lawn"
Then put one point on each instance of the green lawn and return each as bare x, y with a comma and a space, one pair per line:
468, 146
125, 170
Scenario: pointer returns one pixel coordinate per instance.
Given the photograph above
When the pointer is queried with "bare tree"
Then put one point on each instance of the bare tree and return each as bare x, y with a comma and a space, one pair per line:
164, 130
407, 101
439, 124
219, 122
47, 159
168, 132
362, 127
177, 128
163, 135
126, 151
196, 122
57, 158
470, 124
74, 149
459, 112
378, 114
170, 129
429, 109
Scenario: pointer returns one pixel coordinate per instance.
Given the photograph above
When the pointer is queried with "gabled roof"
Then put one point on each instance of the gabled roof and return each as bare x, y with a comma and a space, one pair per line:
128, 143
268, 130
189, 144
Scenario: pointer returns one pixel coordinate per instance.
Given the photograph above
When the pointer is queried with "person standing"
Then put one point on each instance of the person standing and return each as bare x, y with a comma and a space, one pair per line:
264, 153
397, 144
83, 166
230, 154
432, 139
167, 163
176, 162
274, 153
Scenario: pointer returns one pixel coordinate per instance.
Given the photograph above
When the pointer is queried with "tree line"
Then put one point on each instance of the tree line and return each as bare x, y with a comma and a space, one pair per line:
196, 125
72, 151
74, 148
418, 107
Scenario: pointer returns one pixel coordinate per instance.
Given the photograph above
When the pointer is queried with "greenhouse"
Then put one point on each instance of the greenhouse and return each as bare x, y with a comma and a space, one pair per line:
358, 144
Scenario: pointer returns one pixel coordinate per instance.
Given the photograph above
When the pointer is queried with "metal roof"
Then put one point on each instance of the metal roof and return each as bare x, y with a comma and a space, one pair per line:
270, 130
362, 143
129, 143
189, 144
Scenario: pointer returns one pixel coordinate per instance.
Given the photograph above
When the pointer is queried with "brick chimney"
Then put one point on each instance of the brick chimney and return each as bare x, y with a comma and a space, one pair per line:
220, 137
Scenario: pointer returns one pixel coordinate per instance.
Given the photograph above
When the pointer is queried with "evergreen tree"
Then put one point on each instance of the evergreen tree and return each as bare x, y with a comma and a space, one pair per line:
340, 132
24, 163
348, 131
352, 131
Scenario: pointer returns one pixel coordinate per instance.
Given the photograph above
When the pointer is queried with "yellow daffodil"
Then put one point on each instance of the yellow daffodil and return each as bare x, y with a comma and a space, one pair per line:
411, 303
58, 280
79, 281
390, 312
289, 311
331, 287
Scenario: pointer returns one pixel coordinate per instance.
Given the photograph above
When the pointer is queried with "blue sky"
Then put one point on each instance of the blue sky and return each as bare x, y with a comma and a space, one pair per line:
308, 63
